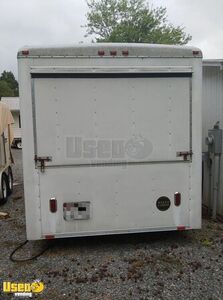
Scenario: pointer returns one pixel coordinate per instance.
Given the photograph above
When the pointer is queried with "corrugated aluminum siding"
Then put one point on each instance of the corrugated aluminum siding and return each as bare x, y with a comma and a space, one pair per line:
16, 126
212, 111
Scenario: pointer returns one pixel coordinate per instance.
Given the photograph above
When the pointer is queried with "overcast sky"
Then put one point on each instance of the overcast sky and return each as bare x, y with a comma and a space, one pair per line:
41, 22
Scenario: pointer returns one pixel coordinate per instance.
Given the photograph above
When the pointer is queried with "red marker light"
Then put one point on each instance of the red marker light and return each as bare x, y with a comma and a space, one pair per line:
125, 52
196, 52
177, 199
49, 237
25, 52
53, 205
101, 52
181, 228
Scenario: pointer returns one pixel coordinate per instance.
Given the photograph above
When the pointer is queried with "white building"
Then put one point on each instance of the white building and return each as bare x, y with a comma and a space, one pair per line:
212, 112
14, 106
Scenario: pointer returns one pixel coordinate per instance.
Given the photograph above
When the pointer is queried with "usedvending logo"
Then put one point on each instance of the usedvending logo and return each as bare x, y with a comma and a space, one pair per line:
22, 289
100, 149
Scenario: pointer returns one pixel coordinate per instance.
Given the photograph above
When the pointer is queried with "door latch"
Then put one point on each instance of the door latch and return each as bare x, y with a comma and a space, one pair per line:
41, 160
185, 154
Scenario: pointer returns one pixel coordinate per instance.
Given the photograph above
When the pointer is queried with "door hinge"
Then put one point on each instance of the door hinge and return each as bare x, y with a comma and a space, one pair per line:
41, 160
187, 155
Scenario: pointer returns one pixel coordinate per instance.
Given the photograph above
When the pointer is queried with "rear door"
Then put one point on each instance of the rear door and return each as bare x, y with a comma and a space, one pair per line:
85, 117
104, 117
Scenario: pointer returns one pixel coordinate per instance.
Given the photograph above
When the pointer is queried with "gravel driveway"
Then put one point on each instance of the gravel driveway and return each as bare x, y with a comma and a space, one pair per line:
172, 265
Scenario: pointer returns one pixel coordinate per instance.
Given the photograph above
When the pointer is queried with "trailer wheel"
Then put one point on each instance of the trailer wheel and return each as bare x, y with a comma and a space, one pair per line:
19, 145
10, 181
4, 189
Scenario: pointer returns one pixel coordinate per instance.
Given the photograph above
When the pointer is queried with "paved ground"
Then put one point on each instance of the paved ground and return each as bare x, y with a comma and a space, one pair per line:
175, 265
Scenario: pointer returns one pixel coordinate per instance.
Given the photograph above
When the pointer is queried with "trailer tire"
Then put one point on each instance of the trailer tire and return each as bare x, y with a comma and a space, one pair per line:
4, 189
10, 181
19, 145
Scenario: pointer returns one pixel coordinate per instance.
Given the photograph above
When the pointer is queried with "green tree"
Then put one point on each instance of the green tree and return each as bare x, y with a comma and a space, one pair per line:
12, 83
5, 90
131, 21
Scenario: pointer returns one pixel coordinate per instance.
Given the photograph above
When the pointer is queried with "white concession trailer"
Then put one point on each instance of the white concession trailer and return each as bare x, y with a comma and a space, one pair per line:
111, 139
14, 106
6, 159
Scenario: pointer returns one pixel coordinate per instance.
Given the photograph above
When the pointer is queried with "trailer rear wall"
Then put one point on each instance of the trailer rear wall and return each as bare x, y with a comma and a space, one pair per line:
111, 140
